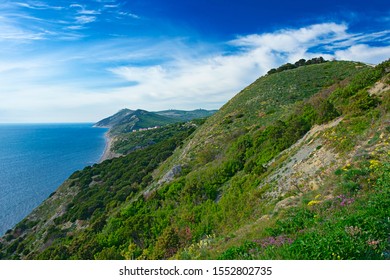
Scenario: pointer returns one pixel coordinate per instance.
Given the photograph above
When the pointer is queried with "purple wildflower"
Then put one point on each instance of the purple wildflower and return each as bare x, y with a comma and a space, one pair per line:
274, 241
345, 200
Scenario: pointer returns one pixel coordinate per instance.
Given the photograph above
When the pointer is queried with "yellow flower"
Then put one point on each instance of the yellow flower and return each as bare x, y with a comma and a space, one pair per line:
374, 163
345, 168
313, 202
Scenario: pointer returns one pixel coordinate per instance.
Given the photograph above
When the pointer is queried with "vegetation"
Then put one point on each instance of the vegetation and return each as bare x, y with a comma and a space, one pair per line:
129, 142
342, 227
299, 63
126, 120
223, 201
187, 115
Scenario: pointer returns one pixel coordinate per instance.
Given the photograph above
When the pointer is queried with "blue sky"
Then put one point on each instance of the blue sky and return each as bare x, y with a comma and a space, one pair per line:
80, 61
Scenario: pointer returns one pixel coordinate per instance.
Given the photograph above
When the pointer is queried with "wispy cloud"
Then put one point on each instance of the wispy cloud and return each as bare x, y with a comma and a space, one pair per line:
17, 24
213, 79
38, 6
9, 31
75, 27
82, 10
290, 39
111, 6
364, 52
102, 77
41, 20
85, 19
129, 15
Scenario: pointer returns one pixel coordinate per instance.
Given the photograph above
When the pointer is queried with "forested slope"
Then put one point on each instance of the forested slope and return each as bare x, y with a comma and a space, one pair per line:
295, 166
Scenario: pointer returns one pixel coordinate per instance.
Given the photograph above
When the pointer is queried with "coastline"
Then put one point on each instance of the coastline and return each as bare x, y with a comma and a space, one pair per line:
108, 154
24, 193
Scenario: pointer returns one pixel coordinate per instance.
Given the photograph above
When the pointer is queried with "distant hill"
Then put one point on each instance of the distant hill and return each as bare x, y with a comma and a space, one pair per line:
115, 119
187, 115
127, 120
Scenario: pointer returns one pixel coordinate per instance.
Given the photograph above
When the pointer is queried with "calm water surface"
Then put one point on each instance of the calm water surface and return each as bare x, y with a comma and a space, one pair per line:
36, 159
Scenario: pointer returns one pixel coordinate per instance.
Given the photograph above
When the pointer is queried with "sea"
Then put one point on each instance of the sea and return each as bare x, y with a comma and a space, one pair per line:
36, 158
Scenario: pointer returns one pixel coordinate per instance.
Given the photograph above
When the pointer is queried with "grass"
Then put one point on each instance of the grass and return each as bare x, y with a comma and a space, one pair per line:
129, 142
352, 225
266, 100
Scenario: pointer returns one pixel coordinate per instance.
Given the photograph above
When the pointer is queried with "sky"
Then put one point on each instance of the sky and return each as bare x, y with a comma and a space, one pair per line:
83, 60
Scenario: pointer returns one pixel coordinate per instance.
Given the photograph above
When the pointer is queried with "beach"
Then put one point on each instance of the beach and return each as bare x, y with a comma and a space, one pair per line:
108, 154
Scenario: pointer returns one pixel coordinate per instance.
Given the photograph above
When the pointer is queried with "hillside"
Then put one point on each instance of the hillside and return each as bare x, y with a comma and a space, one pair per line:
295, 166
115, 119
132, 130
187, 115
128, 120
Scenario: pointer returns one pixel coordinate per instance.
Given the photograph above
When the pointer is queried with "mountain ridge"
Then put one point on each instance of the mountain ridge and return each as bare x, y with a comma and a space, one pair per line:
127, 120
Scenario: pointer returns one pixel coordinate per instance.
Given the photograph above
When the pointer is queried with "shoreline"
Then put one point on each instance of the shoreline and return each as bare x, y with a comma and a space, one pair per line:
107, 154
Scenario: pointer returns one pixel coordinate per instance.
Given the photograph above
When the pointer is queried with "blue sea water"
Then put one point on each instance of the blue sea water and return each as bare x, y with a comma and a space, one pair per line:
36, 158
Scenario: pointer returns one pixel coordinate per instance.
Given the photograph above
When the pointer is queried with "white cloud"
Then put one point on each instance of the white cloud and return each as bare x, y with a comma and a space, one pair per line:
364, 53
111, 6
31, 20
155, 75
75, 27
38, 6
81, 9
289, 40
129, 15
11, 32
76, 6
212, 80
85, 19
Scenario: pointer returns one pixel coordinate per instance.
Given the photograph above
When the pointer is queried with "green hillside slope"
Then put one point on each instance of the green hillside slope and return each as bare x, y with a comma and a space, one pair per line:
187, 115
128, 120
295, 166
115, 119
268, 99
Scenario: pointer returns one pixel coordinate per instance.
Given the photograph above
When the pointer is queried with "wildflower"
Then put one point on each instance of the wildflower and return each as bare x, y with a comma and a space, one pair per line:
373, 243
274, 241
346, 167
345, 200
313, 202
374, 163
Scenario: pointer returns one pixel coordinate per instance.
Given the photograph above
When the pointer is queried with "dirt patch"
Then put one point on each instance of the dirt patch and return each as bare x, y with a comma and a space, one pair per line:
307, 163
379, 88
